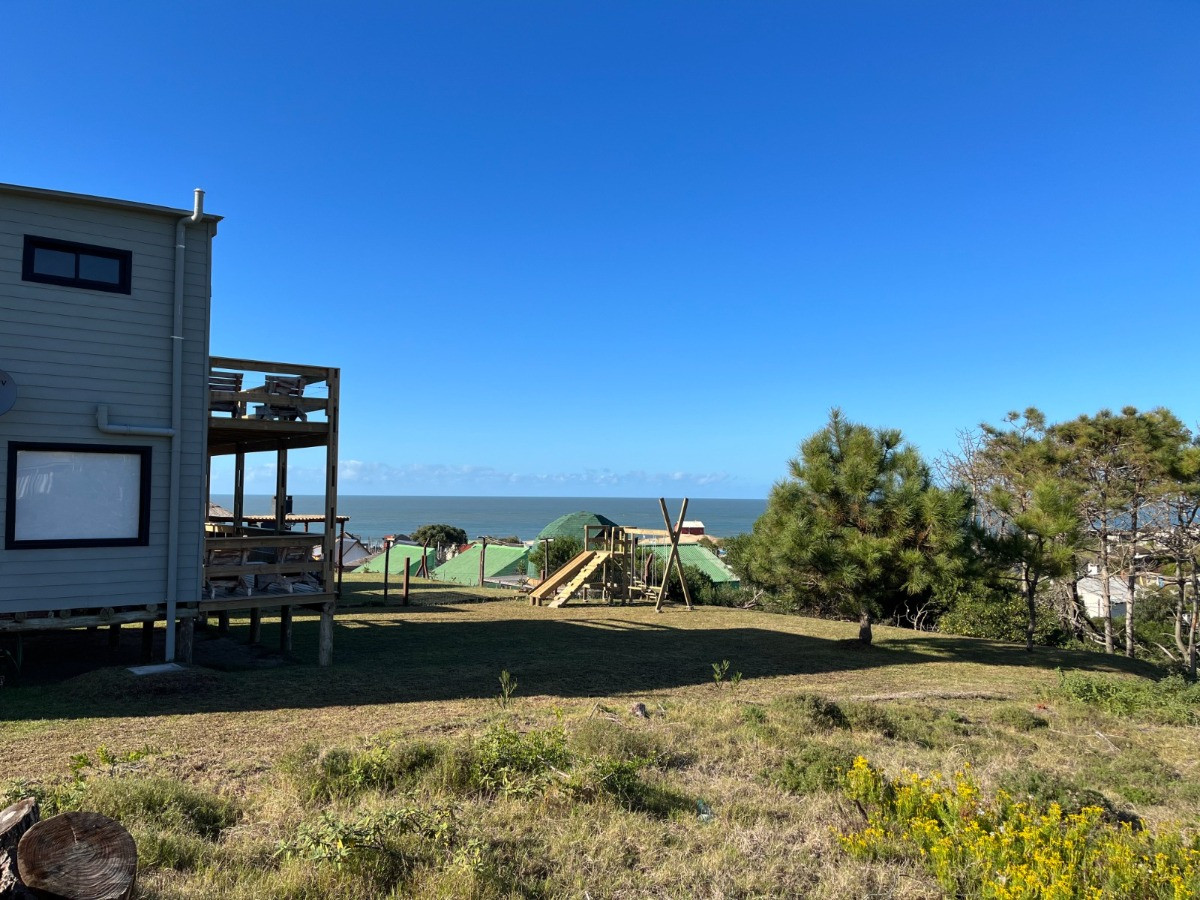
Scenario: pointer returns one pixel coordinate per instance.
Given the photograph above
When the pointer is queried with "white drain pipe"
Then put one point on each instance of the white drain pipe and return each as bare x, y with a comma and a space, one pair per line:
177, 418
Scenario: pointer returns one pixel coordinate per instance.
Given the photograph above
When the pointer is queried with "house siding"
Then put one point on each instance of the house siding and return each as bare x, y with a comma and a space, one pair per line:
70, 350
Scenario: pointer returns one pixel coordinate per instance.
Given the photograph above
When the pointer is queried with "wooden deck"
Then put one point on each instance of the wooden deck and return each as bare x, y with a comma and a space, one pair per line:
255, 561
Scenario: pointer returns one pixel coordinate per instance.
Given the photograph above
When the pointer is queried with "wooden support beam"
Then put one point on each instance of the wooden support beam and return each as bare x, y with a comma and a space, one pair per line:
285, 629
325, 638
114, 636
148, 641
256, 625
404, 595
222, 623
186, 639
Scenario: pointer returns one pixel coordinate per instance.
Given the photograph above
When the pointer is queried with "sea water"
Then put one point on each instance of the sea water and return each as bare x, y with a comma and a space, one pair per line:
373, 517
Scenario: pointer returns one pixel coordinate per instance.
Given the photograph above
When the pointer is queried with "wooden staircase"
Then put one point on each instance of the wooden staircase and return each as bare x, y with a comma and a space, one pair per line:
599, 557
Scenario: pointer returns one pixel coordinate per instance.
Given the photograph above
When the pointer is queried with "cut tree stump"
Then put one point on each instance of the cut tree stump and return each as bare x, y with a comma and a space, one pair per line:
79, 856
15, 820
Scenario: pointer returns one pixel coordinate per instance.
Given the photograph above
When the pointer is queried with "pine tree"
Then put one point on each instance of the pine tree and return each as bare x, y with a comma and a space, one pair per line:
858, 526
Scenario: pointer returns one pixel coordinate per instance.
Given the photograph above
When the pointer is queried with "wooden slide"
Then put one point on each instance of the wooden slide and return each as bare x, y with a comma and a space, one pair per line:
569, 578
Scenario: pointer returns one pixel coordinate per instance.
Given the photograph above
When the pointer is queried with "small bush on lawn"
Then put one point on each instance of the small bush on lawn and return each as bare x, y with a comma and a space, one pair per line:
346, 774
1004, 849
1019, 718
1171, 701
818, 767
1040, 790
162, 803
385, 846
810, 712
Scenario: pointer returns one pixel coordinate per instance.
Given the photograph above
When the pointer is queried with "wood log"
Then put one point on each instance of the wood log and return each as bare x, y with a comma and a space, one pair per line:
79, 856
15, 820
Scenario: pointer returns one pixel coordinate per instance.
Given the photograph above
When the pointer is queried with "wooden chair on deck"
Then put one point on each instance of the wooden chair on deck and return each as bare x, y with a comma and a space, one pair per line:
288, 390
228, 584
226, 382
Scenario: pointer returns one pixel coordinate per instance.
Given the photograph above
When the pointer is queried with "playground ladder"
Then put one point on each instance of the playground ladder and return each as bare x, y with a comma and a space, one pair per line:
598, 559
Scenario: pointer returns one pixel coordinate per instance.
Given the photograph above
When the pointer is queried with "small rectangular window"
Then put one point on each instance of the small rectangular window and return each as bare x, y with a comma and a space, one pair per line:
77, 495
69, 264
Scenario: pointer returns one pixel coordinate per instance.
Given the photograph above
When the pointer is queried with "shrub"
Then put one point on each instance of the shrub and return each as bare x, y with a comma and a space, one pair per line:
818, 767
341, 773
162, 803
812, 712
1171, 701
999, 848
1019, 718
1041, 790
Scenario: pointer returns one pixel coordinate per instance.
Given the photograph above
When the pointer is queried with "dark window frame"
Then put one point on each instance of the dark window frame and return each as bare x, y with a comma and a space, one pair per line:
123, 258
10, 512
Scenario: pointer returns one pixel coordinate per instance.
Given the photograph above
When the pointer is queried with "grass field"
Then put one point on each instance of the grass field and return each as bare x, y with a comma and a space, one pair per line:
402, 771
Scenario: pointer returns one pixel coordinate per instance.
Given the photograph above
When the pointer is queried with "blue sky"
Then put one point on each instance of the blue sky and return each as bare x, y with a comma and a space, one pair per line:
631, 248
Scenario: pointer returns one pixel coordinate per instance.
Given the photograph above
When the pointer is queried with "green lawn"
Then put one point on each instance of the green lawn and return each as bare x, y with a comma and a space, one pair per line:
421, 683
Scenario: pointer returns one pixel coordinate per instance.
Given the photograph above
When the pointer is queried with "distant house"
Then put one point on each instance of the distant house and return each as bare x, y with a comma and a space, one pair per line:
700, 557
692, 526
502, 565
395, 560
1091, 594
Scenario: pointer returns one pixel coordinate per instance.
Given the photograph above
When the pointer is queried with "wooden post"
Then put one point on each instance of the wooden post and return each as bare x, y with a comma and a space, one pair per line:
482, 556
341, 557
387, 568
404, 596
114, 637
256, 625
281, 456
333, 381
545, 558
239, 491
186, 642
147, 641
325, 639
223, 622
285, 629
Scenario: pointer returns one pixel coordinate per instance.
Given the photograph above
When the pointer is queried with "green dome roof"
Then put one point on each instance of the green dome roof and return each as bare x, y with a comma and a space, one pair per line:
571, 525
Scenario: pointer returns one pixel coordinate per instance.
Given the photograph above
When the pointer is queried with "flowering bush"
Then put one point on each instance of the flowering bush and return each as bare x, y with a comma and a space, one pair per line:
1003, 850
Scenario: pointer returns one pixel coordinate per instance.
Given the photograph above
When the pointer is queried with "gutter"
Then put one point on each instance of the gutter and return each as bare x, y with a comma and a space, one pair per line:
172, 586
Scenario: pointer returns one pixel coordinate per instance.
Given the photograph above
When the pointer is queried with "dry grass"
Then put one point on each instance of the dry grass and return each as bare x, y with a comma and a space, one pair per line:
429, 673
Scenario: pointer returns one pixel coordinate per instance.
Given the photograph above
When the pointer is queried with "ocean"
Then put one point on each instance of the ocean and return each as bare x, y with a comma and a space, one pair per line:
373, 517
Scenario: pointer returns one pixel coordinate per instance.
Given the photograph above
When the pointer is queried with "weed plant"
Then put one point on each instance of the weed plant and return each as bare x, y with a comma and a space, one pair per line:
1170, 701
1003, 849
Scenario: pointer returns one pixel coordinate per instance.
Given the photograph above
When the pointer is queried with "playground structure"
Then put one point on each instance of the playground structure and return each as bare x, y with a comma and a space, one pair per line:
614, 567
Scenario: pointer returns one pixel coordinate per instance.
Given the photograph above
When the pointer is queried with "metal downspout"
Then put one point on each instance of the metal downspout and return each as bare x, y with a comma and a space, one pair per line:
177, 420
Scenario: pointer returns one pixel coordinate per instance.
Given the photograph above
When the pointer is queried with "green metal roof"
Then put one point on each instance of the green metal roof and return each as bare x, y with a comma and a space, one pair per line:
395, 560
700, 557
499, 560
571, 525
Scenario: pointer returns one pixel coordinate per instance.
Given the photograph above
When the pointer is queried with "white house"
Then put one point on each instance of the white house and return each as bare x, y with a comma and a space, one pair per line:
111, 409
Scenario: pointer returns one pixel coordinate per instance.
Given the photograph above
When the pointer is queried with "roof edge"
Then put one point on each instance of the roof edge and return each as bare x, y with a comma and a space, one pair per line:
47, 193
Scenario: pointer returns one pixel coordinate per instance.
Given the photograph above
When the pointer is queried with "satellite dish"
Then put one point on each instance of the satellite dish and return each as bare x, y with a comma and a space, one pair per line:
8, 392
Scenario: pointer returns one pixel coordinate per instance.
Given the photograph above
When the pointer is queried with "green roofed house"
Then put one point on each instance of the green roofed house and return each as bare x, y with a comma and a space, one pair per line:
395, 560
571, 525
501, 564
700, 557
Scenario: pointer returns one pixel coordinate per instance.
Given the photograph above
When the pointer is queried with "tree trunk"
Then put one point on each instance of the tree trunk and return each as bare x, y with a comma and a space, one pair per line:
864, 627
1030, 588
14, 822
1131, 584
1106, 595
79, 856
